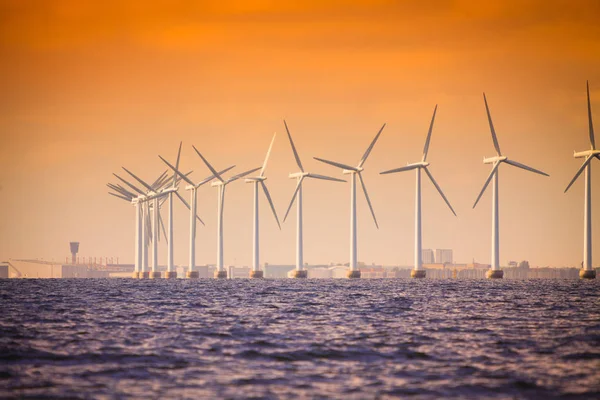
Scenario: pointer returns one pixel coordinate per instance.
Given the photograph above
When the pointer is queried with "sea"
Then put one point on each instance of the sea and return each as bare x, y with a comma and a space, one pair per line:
299, 339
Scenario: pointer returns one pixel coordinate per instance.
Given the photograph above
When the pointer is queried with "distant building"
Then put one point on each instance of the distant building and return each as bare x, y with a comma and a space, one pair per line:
277, 271
238, 272
444, 256
427, 256
512, 264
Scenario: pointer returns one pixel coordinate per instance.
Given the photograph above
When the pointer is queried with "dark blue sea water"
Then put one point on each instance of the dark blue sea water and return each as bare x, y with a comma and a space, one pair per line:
357, 339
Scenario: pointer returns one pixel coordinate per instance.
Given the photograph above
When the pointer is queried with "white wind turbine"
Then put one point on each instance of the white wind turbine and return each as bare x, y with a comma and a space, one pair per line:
300, 272
260, 179
221, 184
193, 188
144, 231
495, 271
418, 271
587, 272
354, 272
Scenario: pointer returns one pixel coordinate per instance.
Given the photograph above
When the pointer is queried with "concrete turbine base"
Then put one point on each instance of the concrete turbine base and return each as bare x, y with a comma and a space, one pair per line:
418, 273
170, 275
301, 274
494, 274
353, 274
155, 275
256, 274
587, 274
220, 274
192, 275
144, 275
135, 275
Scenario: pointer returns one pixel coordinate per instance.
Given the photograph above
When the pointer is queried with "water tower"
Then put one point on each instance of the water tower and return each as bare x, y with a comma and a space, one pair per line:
74, 250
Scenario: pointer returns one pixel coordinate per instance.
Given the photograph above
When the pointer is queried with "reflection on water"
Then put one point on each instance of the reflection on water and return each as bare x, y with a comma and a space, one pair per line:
310, 338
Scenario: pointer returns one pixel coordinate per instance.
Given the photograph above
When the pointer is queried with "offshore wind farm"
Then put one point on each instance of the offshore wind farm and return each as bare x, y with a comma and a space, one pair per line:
352, 252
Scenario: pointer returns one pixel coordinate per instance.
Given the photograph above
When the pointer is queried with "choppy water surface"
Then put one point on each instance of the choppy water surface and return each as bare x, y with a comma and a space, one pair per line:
290, 338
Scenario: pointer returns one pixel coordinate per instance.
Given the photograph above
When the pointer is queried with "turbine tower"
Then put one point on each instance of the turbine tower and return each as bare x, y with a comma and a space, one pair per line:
495, 272
193, 188
354, 272
221, 184
300, 272
418, 271
587, 272
260, 179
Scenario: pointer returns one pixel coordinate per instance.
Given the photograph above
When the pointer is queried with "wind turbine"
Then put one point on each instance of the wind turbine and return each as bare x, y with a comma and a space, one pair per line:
300, 272
587, 272
260, 180
221, 184
354, 272
193, 188
143, 229
495, 272
418, 271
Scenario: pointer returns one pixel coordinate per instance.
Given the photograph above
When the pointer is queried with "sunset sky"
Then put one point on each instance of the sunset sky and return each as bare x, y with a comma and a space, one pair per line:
87, 87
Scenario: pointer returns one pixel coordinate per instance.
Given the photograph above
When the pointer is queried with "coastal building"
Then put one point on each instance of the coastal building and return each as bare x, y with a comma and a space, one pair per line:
427, 256
444, 256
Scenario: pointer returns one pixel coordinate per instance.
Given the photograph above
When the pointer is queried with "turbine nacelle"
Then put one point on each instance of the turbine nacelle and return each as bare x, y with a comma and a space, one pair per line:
255, 179
297, 175
587, 153
492, 160
352, 171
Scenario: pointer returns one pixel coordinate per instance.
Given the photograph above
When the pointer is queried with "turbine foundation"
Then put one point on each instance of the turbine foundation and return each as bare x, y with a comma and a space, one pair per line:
301, 274
418, 273
220, 274
170, 275
353, 274
135, 274
587, 274
144, 275
494, 274
155, 275
256, 274
192, 275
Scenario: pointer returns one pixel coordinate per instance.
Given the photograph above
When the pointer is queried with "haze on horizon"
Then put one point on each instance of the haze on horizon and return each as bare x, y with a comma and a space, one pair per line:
87, 88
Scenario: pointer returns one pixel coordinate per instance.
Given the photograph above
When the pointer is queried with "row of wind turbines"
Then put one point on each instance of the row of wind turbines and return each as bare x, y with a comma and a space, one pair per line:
149, 198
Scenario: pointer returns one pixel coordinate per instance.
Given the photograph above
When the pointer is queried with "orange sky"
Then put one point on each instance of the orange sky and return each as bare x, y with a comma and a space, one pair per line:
89, 86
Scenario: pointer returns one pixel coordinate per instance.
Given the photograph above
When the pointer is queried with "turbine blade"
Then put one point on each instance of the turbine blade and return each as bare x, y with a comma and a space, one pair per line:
119, 190
439, 190
401, 169
210, 167
185, 203
326, 178
579, 171
426, 148
268, 195
177, 162
119, 196
162, 226
364, 188
130, 185
293, 198
293, 147
139, 180
487, 182
525, 167
366, 155
177, 172
243, 174
222, 202
494, 138
591, 124
126, 191
336, 164
264, 166
157, 181
210, 178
